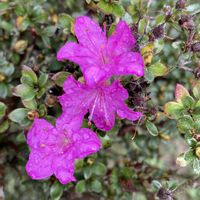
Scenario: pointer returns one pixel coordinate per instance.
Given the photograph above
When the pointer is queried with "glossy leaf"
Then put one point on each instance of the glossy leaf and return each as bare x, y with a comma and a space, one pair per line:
173, 109
152, 129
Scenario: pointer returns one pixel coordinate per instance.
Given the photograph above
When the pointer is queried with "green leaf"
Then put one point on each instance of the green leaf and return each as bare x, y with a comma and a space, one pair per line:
118, 10
99, 169
42, 110
160, 19
193, 8
46, 41
188, 102
196, 91
196, 165
6, 26
158, 69
49, 31
172, 185
60, 77
189, 156
156, 184
185, 124
197, 123
158, 46
43, 79
4, 6
142, 25
19, 115
81, 186
190, 140
149, 75
65, 20
105, 6
3, 108
20, 10
96, 186
178, 44
39, 14
87, 172
28, 76
111, 8
3, 90
40, 93
31, 104
173, 109
7, 69
24, 91
151, 128
56, 191
4, 126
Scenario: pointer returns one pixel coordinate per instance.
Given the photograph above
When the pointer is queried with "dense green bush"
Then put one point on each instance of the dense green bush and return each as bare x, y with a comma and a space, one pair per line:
140, 160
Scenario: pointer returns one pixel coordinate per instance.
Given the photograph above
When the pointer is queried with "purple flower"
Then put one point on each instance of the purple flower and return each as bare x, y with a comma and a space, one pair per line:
99, 57
53, 150
102, 101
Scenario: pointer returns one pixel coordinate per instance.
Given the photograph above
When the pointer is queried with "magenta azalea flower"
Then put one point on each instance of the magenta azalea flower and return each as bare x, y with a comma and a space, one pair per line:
53, 150
99, 57
102, 101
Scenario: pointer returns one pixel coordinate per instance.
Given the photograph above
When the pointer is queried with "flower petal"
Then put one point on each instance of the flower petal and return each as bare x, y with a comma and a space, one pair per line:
129, 64
121, 40
117, 91
69, 121
89, 34
63, 167
75, 103
86, 143
78, 54
41, 134
119, 95
126, 113
93, 75
39, 165
104, 113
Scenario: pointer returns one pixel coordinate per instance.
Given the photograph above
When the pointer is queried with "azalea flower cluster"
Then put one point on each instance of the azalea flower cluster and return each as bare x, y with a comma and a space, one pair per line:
54, 149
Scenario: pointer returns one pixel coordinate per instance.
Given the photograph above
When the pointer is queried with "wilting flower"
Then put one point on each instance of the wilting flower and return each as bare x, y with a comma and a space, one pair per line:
102, 101
54, 149
100, 57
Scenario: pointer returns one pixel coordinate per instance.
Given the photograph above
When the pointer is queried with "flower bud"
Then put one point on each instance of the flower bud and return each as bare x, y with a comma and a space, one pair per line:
180, 4
32, 114
168, 12
164, 194
195, 47
197, 152
158, 31
187, 22
51, 100
197, 76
